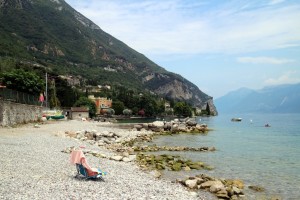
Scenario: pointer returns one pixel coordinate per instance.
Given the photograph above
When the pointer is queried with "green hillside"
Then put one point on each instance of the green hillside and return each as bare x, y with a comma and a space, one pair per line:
50, 35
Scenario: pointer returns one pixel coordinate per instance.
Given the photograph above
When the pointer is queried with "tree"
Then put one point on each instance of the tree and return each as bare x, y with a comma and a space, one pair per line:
84, 101
7, 63
161, 107
118, 106
135, 110
141, 112
127, 112
65, 93
148, 105
182, 108
207, 109
110, 112
23, 81
54, 101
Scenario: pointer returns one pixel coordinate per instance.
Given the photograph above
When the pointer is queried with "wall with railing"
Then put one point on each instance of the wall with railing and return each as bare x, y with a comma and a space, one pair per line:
18, 97
18, 108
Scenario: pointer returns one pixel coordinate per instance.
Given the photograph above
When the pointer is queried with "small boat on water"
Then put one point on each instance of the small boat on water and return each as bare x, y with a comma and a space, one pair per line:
53, 114
236, 119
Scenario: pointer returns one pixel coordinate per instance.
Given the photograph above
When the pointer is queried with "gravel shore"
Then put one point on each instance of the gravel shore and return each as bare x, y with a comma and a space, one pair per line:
33, 167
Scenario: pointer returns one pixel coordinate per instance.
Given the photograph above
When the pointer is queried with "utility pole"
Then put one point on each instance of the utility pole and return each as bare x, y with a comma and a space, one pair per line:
46, 90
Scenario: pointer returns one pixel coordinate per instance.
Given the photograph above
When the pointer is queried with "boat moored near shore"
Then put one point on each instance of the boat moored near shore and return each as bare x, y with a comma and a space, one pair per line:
236, 119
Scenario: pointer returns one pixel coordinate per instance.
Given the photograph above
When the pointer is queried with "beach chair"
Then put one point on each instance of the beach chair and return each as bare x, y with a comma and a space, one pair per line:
83, 169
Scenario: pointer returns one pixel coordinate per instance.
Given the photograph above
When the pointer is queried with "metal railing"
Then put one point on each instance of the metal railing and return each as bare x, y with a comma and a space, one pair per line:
18, 97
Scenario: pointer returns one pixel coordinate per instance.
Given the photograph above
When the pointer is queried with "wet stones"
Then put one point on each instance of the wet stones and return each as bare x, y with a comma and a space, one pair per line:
170, 148
224, 189
168, 162
256, 188
124, 158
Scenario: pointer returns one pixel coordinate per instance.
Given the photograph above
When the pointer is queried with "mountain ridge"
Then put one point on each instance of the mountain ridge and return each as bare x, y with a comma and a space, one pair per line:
54, 35
272, 99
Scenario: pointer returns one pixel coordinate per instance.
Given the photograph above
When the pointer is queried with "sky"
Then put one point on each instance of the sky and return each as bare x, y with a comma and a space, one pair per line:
218, 45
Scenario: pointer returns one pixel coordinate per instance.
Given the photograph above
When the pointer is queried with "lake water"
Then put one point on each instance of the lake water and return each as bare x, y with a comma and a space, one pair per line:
247, 150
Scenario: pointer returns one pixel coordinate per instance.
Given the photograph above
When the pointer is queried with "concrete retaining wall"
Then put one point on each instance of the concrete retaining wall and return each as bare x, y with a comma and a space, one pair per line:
14, 113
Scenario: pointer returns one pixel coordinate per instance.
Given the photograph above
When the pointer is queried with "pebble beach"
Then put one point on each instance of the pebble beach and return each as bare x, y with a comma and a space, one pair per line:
33, 166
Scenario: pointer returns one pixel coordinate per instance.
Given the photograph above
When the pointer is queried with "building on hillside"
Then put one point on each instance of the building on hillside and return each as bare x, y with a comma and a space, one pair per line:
95, 89
198, 111
102, 103
72, 80
107, 87
168, 108
79, 113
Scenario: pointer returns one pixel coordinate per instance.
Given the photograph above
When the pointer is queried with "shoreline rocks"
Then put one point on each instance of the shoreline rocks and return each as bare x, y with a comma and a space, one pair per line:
123, 145
94, 137
125, 157
108, 138
146, 148
221, 188
168, 162
188, 125
41, 171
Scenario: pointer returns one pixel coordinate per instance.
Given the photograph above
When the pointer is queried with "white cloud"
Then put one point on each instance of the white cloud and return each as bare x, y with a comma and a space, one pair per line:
173, 26
264, 60
290, 77
274, 2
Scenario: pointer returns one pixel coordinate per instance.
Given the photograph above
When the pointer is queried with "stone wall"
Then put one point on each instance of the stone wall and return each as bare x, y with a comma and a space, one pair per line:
79, 115
14, 113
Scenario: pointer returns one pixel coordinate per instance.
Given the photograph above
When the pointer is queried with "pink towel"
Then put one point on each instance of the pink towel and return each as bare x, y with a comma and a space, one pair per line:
77, 157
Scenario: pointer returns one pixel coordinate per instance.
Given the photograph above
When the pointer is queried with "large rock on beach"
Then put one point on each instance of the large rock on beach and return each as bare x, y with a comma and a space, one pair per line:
71, 134
192, 184
156, 173
223, 189
116, 158
89, 135
217, 186
130, 158
168, 126
182, 127
238, 183
191, 122
176, 126
208, 184
138, 127
158, 124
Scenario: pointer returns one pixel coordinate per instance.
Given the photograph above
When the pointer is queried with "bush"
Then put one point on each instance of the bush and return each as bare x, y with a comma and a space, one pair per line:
182, 108
23, 81
127, 112
118, 106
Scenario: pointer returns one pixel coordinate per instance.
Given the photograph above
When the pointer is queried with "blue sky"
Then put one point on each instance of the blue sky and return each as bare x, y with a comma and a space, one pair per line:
218, 45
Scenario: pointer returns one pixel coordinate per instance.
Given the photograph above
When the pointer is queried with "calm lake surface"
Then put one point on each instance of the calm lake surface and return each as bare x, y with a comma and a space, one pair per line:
247, 150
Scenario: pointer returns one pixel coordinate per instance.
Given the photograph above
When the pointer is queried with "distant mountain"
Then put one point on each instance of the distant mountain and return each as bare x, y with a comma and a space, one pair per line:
275, 99
51, 35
